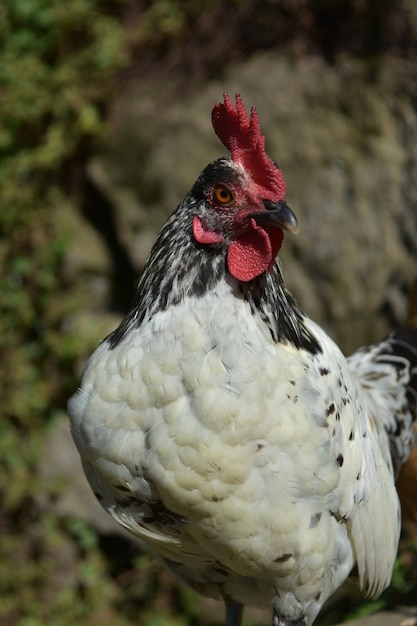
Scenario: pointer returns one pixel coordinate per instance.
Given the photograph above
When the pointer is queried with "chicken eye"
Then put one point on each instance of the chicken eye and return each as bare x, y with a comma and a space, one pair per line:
223, 194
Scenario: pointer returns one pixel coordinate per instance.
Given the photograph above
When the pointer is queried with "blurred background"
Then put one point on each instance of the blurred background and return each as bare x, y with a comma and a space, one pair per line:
104, 126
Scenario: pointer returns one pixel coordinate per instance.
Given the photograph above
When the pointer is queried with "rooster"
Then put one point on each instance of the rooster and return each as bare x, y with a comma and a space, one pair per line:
224, 428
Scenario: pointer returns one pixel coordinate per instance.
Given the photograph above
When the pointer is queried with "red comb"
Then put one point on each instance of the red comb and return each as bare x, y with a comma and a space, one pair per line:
242, 136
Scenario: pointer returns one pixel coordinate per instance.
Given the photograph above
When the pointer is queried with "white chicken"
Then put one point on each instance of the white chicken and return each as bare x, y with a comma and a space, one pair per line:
223, 427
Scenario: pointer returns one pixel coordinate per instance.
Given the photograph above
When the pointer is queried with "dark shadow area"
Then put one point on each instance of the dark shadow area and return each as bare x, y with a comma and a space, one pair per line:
99, 212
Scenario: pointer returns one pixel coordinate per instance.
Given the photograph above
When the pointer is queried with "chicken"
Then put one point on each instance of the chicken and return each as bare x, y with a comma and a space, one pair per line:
224, 428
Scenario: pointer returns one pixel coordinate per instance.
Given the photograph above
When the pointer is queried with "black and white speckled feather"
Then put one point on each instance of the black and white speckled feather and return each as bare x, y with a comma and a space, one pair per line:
387, 372
177, 269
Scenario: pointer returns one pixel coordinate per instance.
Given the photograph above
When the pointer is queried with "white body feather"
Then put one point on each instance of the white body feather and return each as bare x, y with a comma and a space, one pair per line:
254, 467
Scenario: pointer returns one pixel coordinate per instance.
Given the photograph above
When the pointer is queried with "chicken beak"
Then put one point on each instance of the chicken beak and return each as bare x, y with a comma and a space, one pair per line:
277, 214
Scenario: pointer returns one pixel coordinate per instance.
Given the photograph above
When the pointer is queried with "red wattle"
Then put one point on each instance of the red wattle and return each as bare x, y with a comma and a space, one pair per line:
253, 252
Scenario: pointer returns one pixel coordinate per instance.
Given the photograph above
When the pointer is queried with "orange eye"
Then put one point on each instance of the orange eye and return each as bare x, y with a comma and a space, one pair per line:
223, 194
